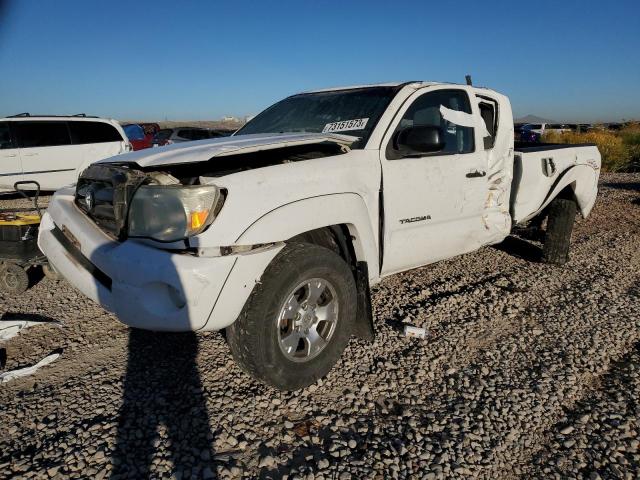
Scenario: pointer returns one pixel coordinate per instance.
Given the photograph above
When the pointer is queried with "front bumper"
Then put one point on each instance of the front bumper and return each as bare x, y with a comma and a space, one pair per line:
144, 286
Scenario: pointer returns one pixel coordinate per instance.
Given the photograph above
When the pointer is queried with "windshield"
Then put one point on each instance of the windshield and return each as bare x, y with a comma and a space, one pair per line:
134, 132
351, 112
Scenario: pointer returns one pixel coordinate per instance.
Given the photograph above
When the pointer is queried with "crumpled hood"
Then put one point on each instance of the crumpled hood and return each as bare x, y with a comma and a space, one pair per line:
202, 150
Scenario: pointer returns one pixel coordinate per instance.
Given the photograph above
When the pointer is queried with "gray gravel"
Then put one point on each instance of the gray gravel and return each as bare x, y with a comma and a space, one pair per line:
528, 371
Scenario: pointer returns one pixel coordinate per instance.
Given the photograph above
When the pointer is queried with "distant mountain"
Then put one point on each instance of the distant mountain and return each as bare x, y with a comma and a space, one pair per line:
533, 119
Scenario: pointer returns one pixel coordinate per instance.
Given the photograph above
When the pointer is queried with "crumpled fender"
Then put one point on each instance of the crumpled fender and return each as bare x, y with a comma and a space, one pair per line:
307, 214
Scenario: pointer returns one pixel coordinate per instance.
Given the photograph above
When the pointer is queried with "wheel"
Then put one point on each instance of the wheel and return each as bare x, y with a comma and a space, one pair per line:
13, 278
298, 319
562, 216
50, 272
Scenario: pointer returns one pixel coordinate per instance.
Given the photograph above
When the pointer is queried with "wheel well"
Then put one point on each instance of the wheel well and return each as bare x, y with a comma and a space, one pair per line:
333, 237
568, 193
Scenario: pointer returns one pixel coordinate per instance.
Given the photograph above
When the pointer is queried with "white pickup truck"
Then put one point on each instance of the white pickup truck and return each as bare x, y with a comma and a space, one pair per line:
277, 232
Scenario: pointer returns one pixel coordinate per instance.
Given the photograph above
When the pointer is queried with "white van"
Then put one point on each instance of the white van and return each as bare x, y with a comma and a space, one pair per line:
54, 150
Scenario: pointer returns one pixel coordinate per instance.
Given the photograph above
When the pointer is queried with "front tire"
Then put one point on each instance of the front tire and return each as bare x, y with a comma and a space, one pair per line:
298, 319
562, 216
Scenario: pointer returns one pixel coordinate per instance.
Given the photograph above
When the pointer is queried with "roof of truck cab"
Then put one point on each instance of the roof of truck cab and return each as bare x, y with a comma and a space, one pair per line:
370, 85
413, 83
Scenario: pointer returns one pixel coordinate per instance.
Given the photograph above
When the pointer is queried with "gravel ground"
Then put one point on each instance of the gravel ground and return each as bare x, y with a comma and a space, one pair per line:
529, 371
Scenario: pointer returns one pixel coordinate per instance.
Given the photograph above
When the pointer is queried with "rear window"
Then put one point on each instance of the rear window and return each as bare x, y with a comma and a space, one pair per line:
93, 132
488, 112
42, 134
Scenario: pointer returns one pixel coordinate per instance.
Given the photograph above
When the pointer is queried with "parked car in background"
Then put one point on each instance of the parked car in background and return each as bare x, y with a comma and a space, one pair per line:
541, 128
534, 127
137, 136
579, 127
53, 150
522, 133
167, 136
556, 127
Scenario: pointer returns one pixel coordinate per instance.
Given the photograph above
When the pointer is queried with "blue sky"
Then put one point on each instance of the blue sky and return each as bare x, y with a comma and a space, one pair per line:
568, 60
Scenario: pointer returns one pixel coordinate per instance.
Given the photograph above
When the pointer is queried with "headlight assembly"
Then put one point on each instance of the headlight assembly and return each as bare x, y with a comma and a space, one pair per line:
168, 213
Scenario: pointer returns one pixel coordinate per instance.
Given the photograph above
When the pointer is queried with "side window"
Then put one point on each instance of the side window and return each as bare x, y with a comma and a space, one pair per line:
184, 133
93, 132
426, 111
489, 113
5, 137
42, 134
200, 134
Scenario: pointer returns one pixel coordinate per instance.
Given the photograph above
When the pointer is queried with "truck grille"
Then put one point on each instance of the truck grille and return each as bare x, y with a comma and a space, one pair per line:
104, 193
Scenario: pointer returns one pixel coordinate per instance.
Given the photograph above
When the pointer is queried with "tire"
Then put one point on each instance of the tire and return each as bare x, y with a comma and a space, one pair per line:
263, 338
562, 216
13, 278
50, 272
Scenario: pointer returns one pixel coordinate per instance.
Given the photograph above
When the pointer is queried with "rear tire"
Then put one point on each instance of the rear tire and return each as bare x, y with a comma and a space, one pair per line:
13, 278
562, 216
263, 338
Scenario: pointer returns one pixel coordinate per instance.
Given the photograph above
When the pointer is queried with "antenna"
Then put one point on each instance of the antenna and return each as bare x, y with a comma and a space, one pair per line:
468, 79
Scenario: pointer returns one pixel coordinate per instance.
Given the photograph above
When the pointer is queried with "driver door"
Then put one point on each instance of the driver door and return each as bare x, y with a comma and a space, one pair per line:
433, 203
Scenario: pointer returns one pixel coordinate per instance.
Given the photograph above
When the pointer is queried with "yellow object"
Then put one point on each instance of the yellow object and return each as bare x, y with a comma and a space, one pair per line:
198, 219
19, 220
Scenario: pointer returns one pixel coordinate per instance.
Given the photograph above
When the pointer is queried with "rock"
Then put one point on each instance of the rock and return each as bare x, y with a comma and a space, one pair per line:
267, 461
567, 430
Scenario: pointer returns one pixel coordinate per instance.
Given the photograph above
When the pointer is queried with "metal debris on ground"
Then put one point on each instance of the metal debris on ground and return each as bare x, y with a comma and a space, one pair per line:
414, 332
11, 328
23, 372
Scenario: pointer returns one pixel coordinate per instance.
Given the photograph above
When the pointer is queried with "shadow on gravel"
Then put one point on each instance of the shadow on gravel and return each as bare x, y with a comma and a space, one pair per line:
28, 317
164, 408
631, 186
520, 248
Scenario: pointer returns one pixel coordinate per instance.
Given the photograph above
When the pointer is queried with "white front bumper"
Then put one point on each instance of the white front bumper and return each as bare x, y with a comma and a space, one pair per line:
146, 287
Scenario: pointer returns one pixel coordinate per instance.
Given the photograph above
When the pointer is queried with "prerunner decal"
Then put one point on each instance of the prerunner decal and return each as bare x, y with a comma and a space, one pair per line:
356, 124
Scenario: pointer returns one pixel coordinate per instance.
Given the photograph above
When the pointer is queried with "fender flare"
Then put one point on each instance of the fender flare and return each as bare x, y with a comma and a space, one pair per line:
583, 181
310, 213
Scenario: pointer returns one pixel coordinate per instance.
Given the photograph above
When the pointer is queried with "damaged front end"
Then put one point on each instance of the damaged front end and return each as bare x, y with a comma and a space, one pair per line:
170, 203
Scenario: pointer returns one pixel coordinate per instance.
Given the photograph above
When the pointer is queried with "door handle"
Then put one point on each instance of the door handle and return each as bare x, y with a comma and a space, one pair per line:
548, 167
30, 154
10, 156
476, 174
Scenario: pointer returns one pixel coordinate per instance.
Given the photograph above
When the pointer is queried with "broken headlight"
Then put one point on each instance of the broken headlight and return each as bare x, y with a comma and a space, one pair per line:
168, 213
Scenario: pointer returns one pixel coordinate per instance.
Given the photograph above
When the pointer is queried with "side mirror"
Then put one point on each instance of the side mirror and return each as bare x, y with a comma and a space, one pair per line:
419, 139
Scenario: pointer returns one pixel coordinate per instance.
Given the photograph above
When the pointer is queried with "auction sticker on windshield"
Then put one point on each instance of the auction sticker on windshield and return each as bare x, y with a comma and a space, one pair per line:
355, 124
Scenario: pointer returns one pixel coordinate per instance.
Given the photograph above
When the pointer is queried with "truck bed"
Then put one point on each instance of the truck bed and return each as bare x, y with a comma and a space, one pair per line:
539, 166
